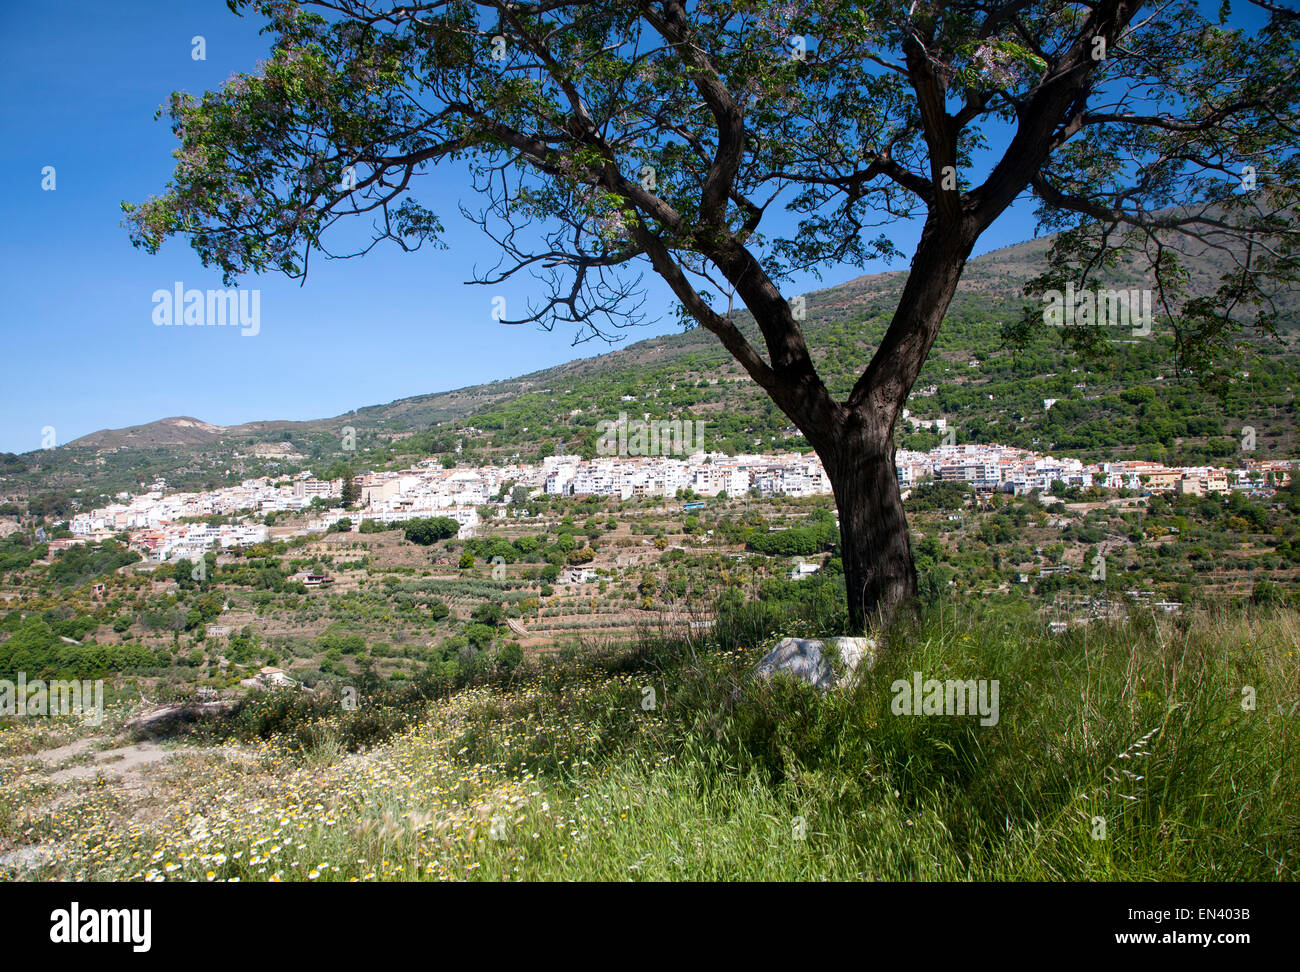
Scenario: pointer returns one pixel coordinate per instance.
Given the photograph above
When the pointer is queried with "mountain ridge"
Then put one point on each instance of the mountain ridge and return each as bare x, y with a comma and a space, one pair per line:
1040, 397
151, 434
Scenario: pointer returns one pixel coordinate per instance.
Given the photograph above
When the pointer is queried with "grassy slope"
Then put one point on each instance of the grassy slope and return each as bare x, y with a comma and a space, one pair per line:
1141, 726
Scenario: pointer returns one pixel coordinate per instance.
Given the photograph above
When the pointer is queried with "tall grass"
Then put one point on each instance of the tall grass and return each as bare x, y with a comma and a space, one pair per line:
1121, 752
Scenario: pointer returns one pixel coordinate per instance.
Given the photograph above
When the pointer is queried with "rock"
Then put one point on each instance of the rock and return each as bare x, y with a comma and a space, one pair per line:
803, 658
807, 659
852, 652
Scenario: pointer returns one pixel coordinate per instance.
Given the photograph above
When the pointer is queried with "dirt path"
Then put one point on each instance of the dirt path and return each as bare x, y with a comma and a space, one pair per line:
62, 778
114, 763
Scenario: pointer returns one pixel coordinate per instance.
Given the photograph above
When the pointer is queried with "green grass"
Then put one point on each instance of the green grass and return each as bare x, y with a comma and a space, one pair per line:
565, 775
1122, 753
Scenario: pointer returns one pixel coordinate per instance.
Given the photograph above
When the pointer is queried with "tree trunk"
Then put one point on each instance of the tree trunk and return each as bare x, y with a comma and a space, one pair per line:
854, 438
859, 456
879, 575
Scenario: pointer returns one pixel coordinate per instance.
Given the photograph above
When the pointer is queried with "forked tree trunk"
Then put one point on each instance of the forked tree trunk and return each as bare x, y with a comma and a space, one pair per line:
859, 454
854, 438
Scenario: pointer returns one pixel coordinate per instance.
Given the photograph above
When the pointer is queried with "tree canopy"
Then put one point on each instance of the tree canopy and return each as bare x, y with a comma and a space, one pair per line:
666, 132
429, 530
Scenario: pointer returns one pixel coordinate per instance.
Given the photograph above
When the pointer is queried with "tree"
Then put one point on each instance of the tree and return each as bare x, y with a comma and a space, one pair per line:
510, 655
351, 493
480, 636
488, 613
350, 490
183, 572
429, 530
606, 136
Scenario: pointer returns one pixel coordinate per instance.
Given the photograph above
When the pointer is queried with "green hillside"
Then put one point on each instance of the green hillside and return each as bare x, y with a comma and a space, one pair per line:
1129, 402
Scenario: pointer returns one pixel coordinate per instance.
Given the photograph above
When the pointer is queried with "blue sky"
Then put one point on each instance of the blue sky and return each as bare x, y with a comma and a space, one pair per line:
81, 82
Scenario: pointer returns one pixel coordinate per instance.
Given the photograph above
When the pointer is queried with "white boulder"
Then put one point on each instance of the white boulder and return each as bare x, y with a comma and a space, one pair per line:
808, 659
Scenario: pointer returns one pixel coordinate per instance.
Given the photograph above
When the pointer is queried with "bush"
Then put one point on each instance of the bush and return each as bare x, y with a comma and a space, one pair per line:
432, 529
510, 655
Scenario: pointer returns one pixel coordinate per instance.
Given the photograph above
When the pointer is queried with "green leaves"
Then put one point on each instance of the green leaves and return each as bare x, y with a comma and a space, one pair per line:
600, 135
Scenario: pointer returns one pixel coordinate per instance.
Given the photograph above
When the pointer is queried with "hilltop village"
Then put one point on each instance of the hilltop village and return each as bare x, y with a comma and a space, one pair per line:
168, 526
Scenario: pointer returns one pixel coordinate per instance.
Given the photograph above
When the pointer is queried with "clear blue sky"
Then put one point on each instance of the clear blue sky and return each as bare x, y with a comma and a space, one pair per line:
81, 82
